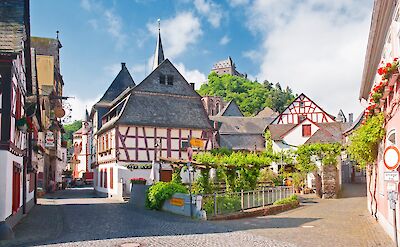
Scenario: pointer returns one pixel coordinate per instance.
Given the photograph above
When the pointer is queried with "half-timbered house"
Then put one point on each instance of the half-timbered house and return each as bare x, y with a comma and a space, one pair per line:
304, 122
157, 118
15, 84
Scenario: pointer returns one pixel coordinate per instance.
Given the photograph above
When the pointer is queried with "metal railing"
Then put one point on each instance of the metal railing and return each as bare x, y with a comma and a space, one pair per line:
224, 202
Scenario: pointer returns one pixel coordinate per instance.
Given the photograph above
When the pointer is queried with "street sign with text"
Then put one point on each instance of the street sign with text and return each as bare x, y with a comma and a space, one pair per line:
391, 176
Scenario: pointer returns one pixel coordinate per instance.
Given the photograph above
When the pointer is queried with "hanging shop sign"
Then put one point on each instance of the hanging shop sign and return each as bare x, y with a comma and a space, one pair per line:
391, 158
198, 143
49, 140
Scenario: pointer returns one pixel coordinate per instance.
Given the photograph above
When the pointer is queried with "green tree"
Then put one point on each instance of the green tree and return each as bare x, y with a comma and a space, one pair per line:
69, 131
250, 96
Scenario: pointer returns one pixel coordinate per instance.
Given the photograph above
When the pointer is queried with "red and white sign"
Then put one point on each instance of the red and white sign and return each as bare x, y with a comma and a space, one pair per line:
391, 158
49, 140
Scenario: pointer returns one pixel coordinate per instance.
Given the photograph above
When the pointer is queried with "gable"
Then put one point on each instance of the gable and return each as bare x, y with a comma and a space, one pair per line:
301, 108
231, 110
295, 136
179, 85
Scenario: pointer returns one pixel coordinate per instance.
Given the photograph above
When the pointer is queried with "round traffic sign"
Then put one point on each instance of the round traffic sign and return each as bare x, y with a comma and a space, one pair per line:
391, 157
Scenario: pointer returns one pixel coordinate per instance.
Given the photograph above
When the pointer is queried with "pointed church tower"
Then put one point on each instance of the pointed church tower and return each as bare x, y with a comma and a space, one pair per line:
159, 53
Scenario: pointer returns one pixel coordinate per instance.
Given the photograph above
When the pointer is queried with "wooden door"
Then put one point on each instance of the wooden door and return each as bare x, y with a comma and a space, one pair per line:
16, 188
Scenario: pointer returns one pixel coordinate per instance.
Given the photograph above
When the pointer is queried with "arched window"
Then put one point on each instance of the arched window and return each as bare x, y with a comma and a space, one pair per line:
391, 138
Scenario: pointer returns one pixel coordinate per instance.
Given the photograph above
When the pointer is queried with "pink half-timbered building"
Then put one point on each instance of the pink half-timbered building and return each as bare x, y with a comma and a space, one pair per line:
154, 119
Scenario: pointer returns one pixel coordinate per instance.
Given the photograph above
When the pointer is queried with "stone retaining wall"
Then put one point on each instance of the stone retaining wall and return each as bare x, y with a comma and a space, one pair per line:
263, 211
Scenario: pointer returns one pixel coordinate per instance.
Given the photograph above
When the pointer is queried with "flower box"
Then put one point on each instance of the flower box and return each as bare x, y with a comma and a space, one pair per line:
138, 181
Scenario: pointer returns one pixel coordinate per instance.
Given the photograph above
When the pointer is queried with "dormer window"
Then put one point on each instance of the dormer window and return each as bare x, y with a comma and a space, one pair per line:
162, 79
167, 80
170, 79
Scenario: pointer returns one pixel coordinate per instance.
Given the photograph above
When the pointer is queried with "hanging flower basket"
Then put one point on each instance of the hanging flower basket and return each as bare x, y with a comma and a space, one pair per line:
138, 181
21, 124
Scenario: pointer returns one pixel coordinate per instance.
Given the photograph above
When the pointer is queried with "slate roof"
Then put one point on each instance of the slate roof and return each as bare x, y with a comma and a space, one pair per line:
231, 109
354, 125
242, 141
119, 85
267, 112
241, 133
328, 132
278, 130
12, 28
172, 106
244, 125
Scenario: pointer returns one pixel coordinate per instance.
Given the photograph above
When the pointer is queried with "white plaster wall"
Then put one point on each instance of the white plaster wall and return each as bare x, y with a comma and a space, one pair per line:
6, 176
294, 137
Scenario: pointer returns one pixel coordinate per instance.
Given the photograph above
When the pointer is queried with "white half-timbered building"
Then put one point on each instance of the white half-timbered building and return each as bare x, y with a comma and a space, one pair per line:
157, 118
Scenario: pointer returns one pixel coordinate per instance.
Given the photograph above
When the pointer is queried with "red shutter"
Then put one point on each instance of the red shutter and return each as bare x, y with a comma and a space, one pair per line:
32, 182
101, 177
111, 178
306, 130
18, 105
105, 178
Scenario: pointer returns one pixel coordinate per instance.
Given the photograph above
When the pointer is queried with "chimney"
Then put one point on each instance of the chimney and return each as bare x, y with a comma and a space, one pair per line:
350, 117
123, 65
192, 84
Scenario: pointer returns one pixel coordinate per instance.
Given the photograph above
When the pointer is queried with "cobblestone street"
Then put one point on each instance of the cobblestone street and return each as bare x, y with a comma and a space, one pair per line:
78, 218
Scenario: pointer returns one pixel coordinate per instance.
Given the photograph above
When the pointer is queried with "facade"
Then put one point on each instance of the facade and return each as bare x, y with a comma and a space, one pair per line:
82, 147
383, 46
304, 122
17, 177
213, 104
136, 125
226, 67
50, 90
237, 132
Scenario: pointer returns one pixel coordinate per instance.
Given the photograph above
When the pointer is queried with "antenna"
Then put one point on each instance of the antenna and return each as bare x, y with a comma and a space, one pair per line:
159, 23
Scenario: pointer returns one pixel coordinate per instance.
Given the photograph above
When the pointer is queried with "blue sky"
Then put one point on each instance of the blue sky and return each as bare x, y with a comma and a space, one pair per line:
313, 46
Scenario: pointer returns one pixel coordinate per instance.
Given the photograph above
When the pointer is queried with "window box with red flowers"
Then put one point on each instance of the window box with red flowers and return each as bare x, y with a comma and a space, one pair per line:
138, 181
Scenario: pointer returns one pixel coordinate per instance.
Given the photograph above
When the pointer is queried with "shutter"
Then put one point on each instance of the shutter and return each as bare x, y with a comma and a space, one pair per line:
111, 178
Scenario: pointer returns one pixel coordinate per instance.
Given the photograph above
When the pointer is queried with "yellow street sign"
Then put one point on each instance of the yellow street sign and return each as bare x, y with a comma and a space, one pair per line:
195, 142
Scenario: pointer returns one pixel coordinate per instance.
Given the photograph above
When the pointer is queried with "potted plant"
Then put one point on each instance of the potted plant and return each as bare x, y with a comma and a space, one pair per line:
138, 192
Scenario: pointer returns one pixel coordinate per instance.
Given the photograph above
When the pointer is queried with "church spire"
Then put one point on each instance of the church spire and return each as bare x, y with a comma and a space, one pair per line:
159, 53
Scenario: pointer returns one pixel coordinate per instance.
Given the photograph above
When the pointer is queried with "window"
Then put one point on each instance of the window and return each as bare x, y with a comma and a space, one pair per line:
162, 79
170, 79
306, 131
101, 178
391, 138
301, 104
105, 178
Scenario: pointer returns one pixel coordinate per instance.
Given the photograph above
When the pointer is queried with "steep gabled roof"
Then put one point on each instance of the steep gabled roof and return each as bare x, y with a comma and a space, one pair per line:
121, 82
302, 95
267, 112
231, 109
354, 125
153, 104
159, 52
12, 26
279, 130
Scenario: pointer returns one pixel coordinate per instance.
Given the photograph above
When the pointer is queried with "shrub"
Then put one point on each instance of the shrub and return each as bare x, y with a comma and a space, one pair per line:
225, 204
158, 193
288, 200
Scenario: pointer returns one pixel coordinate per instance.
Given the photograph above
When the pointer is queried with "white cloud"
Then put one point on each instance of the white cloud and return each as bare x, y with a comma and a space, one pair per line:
211, 10
321, 58
108, 19
113, 69
79, 106
224, 40
192, 76
253, 55
177, 33
235, 3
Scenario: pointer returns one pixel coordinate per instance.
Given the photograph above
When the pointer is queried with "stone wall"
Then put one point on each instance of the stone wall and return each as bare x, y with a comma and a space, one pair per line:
330, 185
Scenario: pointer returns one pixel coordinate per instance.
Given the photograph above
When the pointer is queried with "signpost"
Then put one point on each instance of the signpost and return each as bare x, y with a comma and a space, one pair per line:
391, 158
